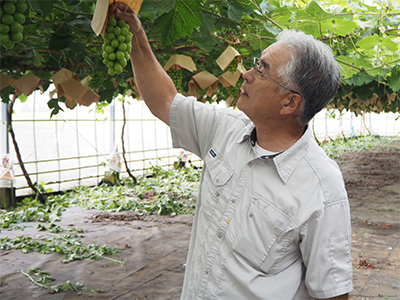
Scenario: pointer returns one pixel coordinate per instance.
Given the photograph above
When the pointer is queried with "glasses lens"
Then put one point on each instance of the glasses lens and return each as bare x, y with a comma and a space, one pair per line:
255, 64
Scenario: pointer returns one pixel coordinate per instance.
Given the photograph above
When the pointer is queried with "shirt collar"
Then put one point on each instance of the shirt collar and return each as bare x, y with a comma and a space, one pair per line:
286, 161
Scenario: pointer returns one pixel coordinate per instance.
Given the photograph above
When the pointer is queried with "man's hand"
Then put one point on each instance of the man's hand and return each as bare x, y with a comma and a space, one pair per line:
153, 83
124, 12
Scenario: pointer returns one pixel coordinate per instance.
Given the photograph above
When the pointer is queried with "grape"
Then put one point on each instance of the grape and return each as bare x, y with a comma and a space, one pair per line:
233, 65
96, 81
13, 15
176, 76
234, 90
117, 46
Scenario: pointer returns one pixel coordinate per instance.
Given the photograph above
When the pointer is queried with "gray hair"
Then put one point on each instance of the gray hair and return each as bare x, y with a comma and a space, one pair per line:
312, 71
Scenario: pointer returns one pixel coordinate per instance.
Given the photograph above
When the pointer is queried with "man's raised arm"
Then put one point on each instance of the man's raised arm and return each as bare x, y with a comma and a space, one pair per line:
154, 84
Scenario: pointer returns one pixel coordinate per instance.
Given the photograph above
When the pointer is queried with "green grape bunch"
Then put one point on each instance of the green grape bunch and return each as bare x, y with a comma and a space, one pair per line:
11, 19
96, 81
235, 90
117, 46
176, 76
233, 65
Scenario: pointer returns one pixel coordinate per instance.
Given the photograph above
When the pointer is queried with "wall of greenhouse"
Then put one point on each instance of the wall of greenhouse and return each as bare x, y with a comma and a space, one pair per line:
73, 147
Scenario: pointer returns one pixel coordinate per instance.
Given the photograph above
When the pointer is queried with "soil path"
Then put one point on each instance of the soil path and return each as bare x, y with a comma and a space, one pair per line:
154, 249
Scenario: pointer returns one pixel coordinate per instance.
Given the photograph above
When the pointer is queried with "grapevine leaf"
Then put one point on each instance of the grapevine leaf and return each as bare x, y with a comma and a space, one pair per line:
234, 13
309, 27
369, 42
163, 5
205, 44
395, 79
38, 59
180, 21
346, 70
236, 8
339, 26
364, 92
314, 12
58, 42
390, 44
267, 7
208, 26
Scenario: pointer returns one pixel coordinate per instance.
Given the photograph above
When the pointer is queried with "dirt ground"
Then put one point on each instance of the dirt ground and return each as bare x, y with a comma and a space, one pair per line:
154, 249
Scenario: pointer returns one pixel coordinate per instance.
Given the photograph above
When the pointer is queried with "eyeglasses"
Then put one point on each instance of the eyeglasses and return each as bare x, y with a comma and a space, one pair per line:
257, 69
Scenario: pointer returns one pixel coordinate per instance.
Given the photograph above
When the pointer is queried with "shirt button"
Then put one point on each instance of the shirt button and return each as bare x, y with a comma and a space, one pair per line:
233, 200
250, 165
251, 215
219, 235
217, 193
217, 180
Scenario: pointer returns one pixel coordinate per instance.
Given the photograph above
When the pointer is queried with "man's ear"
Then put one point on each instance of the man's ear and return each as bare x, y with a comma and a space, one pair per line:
291, 104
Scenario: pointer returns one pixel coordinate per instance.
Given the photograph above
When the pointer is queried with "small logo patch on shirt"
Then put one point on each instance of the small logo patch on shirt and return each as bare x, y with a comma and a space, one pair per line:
213, 154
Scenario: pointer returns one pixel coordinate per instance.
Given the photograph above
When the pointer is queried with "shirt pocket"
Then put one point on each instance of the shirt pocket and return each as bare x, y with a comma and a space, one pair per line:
219, 172
264, 237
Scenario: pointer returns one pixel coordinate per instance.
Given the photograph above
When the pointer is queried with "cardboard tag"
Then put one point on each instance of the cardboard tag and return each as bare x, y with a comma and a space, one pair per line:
178, 61
100, 15
227, 56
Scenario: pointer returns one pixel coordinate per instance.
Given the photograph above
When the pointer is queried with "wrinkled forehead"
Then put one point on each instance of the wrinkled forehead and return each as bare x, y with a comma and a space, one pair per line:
277, 53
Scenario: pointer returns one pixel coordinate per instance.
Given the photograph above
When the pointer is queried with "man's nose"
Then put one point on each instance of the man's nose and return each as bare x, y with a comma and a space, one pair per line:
249, 76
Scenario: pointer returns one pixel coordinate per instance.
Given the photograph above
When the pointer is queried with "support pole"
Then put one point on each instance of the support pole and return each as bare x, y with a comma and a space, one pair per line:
7, 191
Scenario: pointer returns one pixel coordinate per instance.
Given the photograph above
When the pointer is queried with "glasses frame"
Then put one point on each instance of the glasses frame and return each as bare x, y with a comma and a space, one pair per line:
256, 68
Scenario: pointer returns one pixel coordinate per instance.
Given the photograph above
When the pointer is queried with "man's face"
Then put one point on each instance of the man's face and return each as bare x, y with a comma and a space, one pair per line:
261, 97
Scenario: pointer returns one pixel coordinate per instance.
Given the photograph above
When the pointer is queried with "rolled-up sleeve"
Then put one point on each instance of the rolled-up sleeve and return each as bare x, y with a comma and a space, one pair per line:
325, 249
192, 123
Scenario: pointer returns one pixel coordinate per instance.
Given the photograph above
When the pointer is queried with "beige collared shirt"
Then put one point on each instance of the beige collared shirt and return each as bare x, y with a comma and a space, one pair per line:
265, 227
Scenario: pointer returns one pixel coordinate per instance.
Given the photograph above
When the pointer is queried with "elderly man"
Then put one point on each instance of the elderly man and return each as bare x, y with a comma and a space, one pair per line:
272, 218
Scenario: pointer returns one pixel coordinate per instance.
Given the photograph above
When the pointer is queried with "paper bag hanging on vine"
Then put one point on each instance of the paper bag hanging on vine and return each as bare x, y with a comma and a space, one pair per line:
232, 60
233, 83
203, 84
100, 15
5, 81
174, 67
27, 84
89, 96
68, 85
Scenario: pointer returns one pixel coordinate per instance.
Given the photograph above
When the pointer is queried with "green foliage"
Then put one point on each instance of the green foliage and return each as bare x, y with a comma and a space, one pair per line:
66, 244
163, 193
364, 39
42, 279
360, 144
